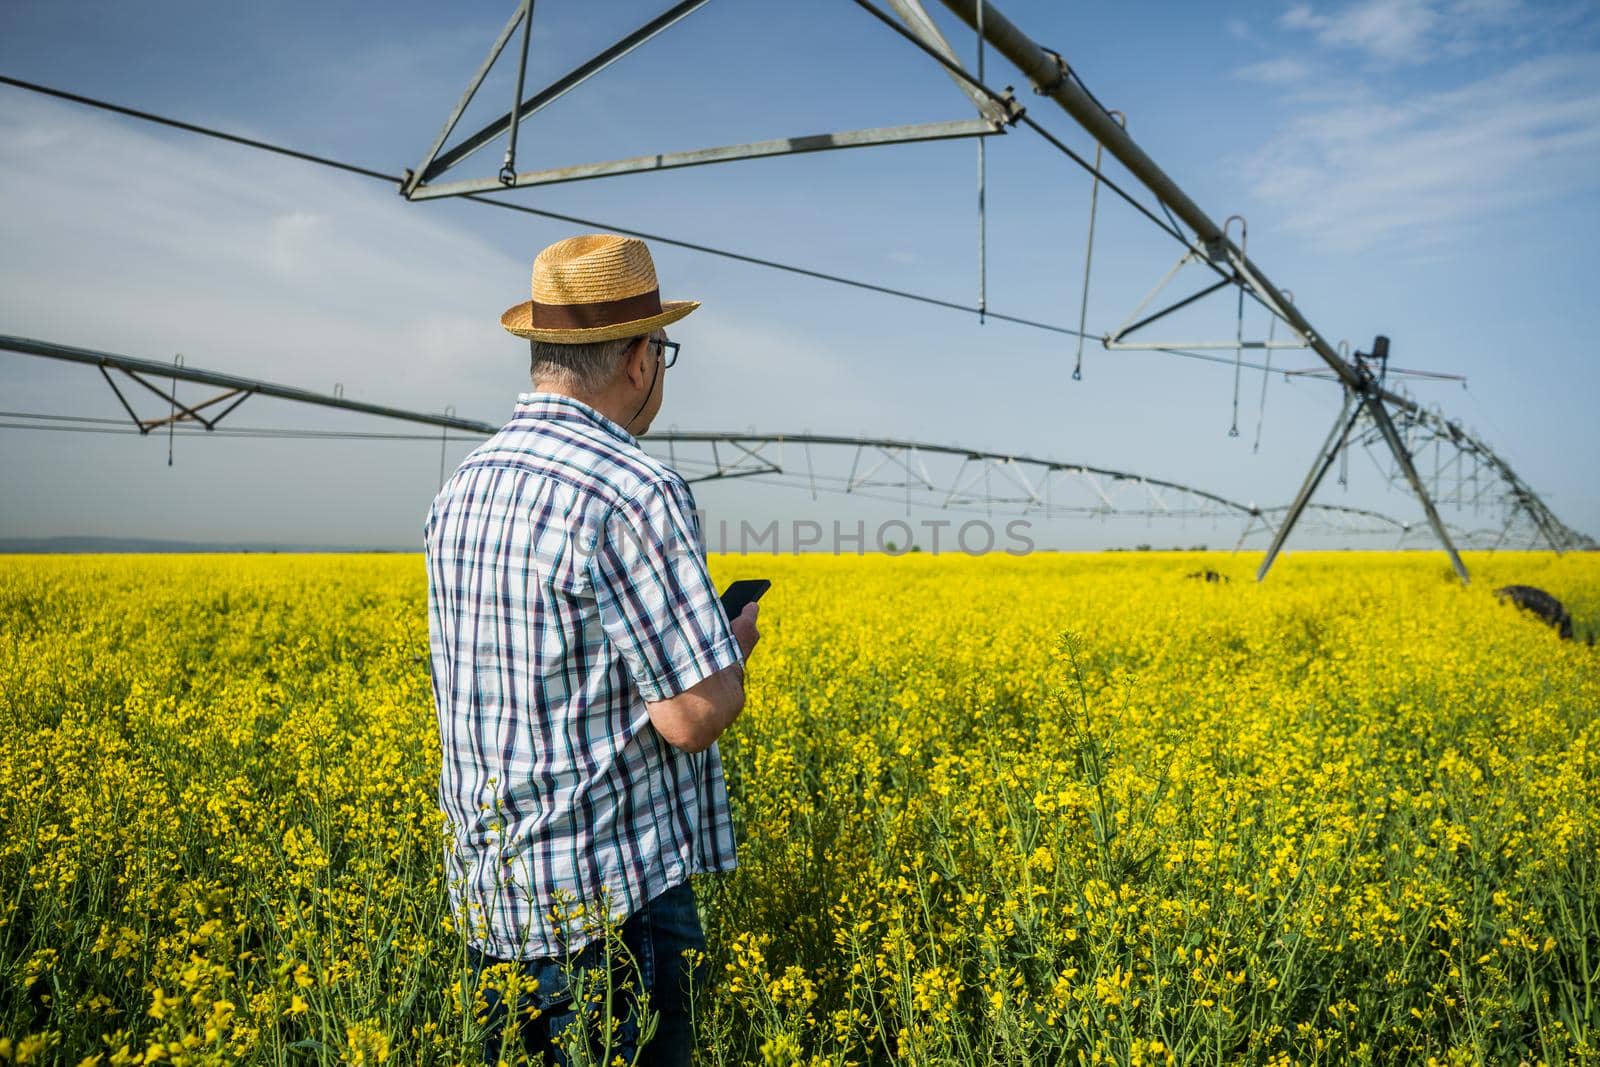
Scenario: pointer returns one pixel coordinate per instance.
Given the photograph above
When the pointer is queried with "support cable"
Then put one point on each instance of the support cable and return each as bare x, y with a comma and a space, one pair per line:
758, 261
204, 131
1088, 255
1066, 150
450, 412
120, 427
983, 252
1226, 361
575, 220
1266, 372
1238, 351
691, 246
1170, 228
172, 414
1019, 115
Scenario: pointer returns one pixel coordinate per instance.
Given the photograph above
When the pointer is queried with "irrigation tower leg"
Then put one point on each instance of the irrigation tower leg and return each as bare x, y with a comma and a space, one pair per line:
1348, 414
1249, 528
1380, 415
1538, 515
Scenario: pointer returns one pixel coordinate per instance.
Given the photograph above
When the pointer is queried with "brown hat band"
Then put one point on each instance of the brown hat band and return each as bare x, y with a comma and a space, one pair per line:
598, 313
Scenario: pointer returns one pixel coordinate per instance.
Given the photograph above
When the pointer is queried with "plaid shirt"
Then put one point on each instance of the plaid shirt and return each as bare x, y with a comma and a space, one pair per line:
567, 586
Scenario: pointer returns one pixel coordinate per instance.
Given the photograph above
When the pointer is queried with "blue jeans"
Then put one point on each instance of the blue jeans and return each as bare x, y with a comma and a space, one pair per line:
656, 935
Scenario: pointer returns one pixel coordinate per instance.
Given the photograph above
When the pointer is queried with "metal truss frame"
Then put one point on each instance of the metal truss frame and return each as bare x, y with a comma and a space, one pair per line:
880, 468
422, 182
1357, 401
180, 412
1050, 75
1211, 245
1028, 484
1026, 481
1406, 428
1235, 275
138, 369
1464, 471
905, 472
900, 471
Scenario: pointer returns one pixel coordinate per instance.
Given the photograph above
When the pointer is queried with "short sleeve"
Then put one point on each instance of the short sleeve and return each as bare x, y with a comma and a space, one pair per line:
657, 603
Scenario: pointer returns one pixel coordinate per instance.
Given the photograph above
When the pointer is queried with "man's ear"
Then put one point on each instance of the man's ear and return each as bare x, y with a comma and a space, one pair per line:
636, 362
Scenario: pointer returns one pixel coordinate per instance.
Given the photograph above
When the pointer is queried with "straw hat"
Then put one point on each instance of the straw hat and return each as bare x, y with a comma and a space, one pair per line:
594, 287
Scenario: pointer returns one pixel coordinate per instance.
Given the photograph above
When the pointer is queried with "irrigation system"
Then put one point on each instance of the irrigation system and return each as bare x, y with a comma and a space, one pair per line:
1435, 458
917, 474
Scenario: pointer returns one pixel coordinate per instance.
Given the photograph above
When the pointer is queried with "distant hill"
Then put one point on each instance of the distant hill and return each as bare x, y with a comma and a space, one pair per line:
145, 544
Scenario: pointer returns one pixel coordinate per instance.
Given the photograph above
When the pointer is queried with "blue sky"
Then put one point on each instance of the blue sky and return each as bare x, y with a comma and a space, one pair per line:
1427, 169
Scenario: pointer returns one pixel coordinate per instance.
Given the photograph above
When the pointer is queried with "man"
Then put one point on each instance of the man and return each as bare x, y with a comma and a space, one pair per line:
583, 667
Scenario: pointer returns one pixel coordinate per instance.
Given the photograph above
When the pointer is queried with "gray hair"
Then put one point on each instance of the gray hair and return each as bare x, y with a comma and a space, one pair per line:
586, 368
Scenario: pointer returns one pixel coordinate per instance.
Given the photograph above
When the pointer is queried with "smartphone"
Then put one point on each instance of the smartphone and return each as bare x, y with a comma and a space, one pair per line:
745, 591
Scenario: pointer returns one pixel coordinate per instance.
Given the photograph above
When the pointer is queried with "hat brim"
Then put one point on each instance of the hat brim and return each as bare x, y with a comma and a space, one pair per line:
518, 320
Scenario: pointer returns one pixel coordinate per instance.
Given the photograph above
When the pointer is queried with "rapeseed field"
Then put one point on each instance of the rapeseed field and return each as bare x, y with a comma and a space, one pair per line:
1067, 808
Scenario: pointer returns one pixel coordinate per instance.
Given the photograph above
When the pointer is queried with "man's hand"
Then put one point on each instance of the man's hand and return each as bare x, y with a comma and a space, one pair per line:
744, 628
695, 718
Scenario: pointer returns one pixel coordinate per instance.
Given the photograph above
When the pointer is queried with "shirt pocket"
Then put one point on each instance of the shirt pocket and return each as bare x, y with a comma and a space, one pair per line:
561, 521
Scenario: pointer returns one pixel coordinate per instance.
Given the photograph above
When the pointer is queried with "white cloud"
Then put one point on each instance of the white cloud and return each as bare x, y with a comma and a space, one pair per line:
1240, 29
149, 243
751, 361
246, 264
1394, 30
1285, 70
1418, 170
1409, 32
293, 242
271, 269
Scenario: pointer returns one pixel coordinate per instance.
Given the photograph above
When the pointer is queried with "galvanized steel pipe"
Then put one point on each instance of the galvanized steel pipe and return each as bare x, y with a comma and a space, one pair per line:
1051, 79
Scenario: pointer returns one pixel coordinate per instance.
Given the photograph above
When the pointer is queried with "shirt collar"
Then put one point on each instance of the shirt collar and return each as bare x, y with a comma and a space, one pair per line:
559, 406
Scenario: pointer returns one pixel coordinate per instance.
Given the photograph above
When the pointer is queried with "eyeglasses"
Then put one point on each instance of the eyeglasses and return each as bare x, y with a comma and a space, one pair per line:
670, 348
